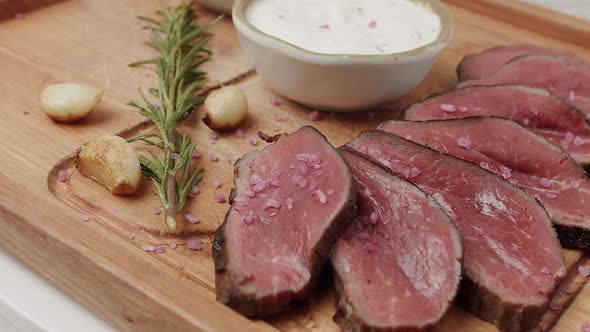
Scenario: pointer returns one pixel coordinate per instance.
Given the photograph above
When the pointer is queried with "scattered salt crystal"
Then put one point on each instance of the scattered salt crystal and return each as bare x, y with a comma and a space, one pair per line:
212, 142
554, 306
63, 175
314, 116
564, 144
575, 184
526, 122
191, 219
545, 182
289, 202
312, 185
569, 291
545, 270
364, 235
330, 192
248, 219
464, 142
409, 137
220, 198
584, 271
374, 218
231, 159
572, 96
324, 26
414, 172
484, 165
160, 249
249, 193
175, 156
586, 327
195, 190
368, 192
239, 133
479, 232
275, 182
172, 245
213, 157
84, 218
148, 248
447, 108
505, 172
19, 16
321, 196
214, 136
275, 102
196, 153
370, 247
216, 184
253, 141
275, 128
180, 266
551, 195
156, 210
463, 109
578, 141
272, 203
194, 245
131, 236
373, 24
569, 137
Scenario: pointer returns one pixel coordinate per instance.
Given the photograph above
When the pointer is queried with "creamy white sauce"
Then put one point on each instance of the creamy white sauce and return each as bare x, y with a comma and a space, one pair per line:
347, 26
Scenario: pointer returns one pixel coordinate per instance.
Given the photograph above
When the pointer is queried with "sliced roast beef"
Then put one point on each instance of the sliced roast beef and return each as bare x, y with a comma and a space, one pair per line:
550, 116
519, 155
483, 64
562, 77
512, 258
398, 265
291, 202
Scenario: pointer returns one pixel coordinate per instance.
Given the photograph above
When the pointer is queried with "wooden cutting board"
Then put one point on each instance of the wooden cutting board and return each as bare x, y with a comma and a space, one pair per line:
96, 262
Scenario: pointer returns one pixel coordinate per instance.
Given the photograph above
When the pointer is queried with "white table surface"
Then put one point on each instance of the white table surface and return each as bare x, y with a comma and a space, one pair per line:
28, 303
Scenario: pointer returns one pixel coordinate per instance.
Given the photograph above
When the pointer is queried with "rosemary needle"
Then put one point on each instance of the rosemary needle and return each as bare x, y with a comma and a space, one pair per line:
180, 44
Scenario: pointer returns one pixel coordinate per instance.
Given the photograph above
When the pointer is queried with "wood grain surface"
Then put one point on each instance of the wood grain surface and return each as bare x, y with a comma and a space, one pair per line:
96, 262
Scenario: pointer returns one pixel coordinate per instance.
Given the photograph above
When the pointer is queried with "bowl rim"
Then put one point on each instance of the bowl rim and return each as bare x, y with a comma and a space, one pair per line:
447, 26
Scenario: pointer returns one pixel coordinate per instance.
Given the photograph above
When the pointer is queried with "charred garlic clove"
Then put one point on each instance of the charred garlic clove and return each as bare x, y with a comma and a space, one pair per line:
112, 162
69, 102
225, 108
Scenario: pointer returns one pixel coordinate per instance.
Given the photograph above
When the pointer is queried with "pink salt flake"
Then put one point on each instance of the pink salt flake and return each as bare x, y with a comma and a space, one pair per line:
248, 219
131, 236
272, 203
84, 218
569, 137
149, 248
370, 247
214, 136
554, 306
374, 218
545, 271
373, 24
564, 144
480, 232
239, 133
175, 156
289, 202
569, 291
324, 26
232, 160
213, 157
275, 181
368, 192
464, 142
253, 141
275, 102
159, 249
526, 122
173, 245
584, 271
578, 141
249, 193
216, 184
314, 116
572, 95
414, 172
575, 184
196, 153
195, 190
63, 175
447, 108
545, 182
321, 196
551, 195
157, 211
463, 109
312, 186
364, 236
586, 327
220, 198
194, 245
330, 192
191, 219
484, 165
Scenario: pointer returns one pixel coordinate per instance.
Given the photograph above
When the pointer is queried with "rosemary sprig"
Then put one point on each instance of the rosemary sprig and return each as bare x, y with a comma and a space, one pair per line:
180, 43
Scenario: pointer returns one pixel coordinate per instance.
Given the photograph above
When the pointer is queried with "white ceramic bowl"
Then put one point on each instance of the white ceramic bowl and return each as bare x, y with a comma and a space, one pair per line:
338, 82
222, 6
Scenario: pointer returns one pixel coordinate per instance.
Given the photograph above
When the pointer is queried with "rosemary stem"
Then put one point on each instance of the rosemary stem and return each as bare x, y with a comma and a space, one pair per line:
171, 190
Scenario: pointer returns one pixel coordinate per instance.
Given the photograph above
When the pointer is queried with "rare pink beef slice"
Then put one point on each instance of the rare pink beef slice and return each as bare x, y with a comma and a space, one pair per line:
291, 202
512, 260
565, 78
398, 266
475, 66
519, 155
552, 117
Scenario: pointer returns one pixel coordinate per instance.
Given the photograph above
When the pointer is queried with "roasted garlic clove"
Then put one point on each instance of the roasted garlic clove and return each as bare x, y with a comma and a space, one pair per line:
69, 102
225, 108
112, 162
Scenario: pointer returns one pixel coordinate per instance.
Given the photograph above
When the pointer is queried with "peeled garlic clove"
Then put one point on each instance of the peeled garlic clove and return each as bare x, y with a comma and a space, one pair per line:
225, 108
69, 102
112, 162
